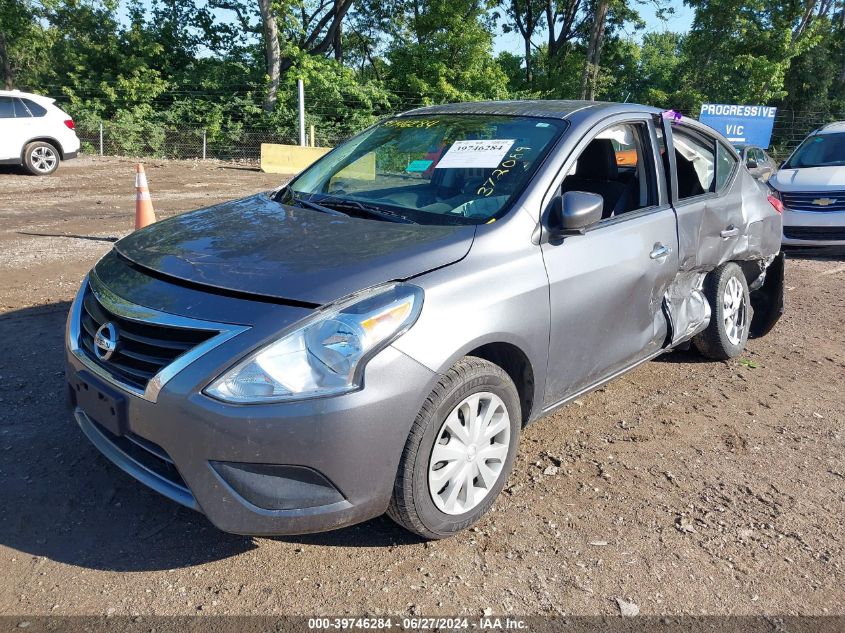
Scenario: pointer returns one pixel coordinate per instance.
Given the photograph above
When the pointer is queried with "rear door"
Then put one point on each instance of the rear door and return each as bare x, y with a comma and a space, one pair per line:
606, 286
710, 216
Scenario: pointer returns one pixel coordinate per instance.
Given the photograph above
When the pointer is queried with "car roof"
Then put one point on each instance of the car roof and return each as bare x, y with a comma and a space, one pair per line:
549, 109
26, 95
832, 128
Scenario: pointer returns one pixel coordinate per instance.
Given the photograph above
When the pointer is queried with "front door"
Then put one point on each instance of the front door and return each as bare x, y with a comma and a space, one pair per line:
606, 286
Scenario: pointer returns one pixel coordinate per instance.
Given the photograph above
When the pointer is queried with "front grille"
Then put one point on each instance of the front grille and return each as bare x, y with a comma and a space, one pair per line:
819, 233
804, 200
143, 350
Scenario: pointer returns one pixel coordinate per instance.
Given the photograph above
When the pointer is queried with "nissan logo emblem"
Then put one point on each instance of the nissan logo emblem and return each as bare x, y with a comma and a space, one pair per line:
105, 341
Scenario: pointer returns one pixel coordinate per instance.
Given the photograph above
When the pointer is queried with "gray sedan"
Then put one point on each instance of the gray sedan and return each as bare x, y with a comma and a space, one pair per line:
374, 336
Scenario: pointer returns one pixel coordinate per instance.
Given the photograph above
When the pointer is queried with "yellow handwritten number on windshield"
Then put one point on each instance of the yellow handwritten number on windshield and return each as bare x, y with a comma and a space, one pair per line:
488, 187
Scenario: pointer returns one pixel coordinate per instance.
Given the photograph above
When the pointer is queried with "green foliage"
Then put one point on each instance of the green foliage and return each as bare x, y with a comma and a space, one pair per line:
444, 53
200, 64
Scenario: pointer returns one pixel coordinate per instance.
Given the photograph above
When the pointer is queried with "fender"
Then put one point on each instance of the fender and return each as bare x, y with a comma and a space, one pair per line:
44, 139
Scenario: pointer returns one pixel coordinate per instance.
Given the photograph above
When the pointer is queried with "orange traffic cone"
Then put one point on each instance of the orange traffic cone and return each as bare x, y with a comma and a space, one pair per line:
144, 214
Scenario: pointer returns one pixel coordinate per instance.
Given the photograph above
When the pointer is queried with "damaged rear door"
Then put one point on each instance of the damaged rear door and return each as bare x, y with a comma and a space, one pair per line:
712, 227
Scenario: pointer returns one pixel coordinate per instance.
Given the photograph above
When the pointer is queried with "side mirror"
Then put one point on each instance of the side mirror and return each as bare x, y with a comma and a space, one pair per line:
751, 163
573, 212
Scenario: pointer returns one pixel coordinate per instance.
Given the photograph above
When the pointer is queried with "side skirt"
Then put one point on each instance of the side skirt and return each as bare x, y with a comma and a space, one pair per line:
599, 384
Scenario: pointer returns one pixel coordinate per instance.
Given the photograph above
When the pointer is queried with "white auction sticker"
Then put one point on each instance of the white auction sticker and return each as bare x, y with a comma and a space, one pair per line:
481, 154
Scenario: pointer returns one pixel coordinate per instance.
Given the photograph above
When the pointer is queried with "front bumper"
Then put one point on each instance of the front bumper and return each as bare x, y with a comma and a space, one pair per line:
813, 228
353, 442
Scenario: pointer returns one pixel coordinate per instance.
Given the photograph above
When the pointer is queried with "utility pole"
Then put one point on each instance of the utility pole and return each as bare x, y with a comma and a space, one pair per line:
301, 89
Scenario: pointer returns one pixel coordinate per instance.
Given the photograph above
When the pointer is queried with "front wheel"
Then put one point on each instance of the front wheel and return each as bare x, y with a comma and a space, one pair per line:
460, 451
40, 158
730, 318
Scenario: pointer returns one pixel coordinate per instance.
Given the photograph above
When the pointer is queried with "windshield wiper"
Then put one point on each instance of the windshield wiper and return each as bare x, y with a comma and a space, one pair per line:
317, 207
355, 206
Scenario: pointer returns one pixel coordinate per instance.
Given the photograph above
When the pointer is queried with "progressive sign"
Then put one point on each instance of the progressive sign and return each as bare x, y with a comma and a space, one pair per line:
748, 124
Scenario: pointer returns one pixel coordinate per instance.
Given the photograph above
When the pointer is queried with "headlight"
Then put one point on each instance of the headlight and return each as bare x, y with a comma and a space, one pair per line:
326, 354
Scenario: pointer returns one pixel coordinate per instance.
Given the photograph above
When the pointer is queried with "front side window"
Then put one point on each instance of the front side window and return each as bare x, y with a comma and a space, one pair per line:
7, 109
445, 169
617, 165
725, 162
695, 163
822, 150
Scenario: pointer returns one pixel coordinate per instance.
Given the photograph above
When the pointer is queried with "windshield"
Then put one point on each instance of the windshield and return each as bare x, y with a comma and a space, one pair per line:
822, 150
447, 169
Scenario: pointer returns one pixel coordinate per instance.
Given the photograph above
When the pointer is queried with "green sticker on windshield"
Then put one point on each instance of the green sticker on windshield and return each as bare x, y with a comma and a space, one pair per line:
419, 165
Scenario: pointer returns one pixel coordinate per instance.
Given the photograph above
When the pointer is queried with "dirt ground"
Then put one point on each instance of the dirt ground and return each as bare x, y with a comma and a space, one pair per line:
685, 487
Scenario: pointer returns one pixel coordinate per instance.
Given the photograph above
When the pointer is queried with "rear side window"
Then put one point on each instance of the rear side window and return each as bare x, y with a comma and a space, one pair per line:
20, 110
34, 109
695, 160
725, 163
7, 109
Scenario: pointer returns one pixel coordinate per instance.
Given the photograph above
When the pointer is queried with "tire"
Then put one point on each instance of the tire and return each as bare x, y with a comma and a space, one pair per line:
41, 159
419, 503
727, 333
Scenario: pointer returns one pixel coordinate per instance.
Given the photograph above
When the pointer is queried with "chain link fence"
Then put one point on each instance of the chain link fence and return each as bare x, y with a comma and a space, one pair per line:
791, 127
160, 141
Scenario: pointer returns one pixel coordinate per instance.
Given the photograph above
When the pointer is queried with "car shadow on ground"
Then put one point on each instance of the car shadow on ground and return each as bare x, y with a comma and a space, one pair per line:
240, 167
61, 499
93, 238
13, 170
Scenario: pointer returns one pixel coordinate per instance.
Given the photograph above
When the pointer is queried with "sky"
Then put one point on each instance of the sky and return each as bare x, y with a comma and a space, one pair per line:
679, 22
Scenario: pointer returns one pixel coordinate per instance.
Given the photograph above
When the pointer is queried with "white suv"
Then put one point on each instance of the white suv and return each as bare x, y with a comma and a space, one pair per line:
811, 186
34, 132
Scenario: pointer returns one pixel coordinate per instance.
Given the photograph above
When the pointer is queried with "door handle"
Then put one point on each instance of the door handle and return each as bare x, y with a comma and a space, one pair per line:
731, 231
659, 251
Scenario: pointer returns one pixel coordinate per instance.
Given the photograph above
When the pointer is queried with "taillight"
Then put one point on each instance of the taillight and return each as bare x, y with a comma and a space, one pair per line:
69, 123
777, 204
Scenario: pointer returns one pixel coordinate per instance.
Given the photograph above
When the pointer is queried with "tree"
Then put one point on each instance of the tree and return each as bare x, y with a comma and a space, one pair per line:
442, 50
593, 59
272, 53
18, 31
526, 16
740, 51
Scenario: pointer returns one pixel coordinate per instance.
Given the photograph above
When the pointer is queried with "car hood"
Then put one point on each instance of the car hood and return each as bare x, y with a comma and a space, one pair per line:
810, 179
258, 246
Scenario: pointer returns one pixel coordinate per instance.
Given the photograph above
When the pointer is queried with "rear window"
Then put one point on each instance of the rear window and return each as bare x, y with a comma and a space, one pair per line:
35, 109
725, 162
695, 162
